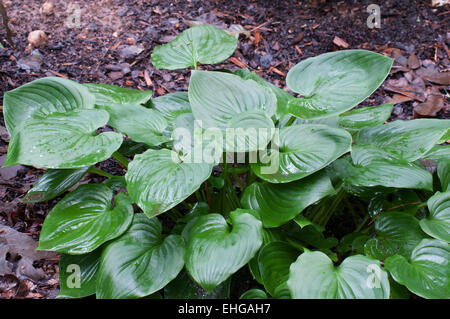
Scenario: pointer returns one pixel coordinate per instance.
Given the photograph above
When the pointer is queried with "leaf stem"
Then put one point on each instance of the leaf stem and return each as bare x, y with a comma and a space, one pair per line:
95, 170
121, 159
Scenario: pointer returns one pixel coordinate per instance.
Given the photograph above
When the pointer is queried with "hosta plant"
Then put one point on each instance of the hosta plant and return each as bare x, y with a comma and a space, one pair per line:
305, 194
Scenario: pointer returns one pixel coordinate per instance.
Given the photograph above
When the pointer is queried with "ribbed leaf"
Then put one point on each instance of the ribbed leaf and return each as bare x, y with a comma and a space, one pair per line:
85, 219
63, 140
215, 252
313, 276
426, 272
438, 153
157, 180
106, 94
437, 225
254, 294
303, 150
279, 203
203, 43
334, 82
54, 182
140, 262
365, 116
443, 171
171, 105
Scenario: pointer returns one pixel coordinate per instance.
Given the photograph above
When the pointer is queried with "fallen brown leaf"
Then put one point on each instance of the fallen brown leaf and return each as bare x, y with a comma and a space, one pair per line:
340, 42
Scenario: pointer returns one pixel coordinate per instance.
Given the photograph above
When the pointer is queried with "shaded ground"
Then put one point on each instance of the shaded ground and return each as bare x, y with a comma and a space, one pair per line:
114, 40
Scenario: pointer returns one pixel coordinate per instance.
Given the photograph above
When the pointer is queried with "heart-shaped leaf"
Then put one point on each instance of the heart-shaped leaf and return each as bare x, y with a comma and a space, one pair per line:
365, 116
139, 123
44, 96
437, 225
334, 82
313, 276
106, 94
140, 262
279, 203
54, 182
303, 150
396, 233
215, 252
84, 219
78, 274
202, 43
254, 294
157, 180
426, 271
41, 141
383, 173
171, 105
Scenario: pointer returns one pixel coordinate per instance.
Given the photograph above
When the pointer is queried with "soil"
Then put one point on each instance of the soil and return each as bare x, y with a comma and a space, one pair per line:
114, 39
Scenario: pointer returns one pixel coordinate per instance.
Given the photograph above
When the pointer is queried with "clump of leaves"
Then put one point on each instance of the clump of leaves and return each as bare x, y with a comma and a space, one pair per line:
346, 209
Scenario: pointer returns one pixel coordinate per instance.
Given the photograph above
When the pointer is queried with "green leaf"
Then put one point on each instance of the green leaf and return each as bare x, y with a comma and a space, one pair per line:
171, 105
222, 100
139, 123
254, 294
396, 233
365, 116
106, 94
203, 43
116, 183
279, 203
334, 82
398, 141
274, 260
426, 271
303, 150
157, 180
310, 235
85, 219
78, 274
63, 140
215, 252
53, 183
437, 225
383, 173
313, 276
438, 153
42, 97
140, 262
443, 171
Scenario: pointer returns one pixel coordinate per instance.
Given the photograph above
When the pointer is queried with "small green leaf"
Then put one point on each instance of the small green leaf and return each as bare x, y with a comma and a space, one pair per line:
396, 233
437, 225
438, 153
334, 82
53, 183
63, 140
202, 43
84, 219
78, 274
106, 94
140, 262
303, 150
426, 271
139, 123
171, 105
254, 294
215, 251
157, 180
365, 116
313, 276
443, 171
279, 203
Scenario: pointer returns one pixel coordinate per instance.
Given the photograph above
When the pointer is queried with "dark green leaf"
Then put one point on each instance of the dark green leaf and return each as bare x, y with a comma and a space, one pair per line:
437, 225
254, 294
106, 94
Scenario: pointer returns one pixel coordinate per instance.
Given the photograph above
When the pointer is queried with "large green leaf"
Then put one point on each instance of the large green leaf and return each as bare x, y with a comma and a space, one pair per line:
203, 43
313, 276
140, 262
171, 105
279, 203
303, 150
63, 140
225, 101
274, 260
398, 141
85, 219
44, 96
383, 173
426, 272
54, 182
365, 116
395, 233
78, 274
138, 122
157, 180
334, 82
106, 94
215, 250
437, 225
